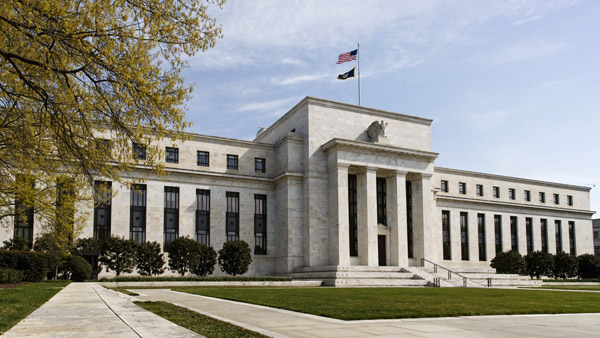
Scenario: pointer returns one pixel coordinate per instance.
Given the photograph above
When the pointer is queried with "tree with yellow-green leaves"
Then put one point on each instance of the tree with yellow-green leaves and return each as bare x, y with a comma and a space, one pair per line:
80, 82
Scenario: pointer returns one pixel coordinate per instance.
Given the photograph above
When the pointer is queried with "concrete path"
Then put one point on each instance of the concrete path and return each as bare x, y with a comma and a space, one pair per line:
282, 323
89, 310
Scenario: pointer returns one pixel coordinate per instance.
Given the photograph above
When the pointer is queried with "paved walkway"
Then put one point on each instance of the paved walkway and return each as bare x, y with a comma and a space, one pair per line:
282, 323
89, 310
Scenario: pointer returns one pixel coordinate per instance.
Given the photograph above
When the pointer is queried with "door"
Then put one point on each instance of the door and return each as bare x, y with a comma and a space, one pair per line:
381, 249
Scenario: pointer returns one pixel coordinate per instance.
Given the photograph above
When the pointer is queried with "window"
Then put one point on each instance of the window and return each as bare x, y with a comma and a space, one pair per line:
572, 248
203, 158
462, 188
481, 236
381, 196
464, 236
102, 209
444, 186
542, 197
511, 193
104, 146
232, 162
446, 234
65, 202
527, 196
232, 216
570, 200
260, 165
353, 215
137, 221
595, 234
479, 190
203, 216
23, 220
172, 155
544, 230
514, 236
556, 199
171, 230
498, 233
139, 151
558, 228
260, 224
496, 192
529, 234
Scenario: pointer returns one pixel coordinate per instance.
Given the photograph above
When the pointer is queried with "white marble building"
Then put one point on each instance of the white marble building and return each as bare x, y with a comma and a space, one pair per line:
334, 184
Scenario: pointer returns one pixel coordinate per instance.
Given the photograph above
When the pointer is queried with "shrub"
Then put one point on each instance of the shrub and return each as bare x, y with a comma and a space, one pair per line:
10, 276
118, 254
508, 262
539, 264
183, 252
235, 257
88, 244
35, 265
17, 243
75, 268
204, 263
150, 260
565, 265
587, 266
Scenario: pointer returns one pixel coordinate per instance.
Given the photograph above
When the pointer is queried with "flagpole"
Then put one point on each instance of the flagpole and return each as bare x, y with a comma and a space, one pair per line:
358, 57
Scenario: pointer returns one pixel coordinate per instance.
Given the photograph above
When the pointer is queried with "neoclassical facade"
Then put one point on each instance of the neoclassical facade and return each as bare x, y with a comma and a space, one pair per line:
334, 184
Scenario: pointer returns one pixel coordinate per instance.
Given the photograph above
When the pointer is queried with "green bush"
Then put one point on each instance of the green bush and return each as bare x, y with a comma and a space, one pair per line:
17, 243
35, 265
235, 257
539, 264
10, 276
587, 266
204, 263
183, 254
509, 262
118, 254
565, 265
150, 260
88, 244
75, 268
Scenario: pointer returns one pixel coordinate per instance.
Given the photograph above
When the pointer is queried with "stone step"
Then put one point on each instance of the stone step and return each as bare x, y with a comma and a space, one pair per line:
352, 274
349, 268
356, 282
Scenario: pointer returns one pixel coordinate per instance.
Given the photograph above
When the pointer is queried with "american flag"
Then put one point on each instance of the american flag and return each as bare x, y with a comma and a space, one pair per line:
346, 57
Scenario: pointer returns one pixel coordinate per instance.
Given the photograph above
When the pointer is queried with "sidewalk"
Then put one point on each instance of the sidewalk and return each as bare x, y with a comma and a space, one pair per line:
89, 310
283, 323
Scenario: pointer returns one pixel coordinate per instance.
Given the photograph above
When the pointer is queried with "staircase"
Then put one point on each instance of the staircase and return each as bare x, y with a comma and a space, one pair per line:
361, 276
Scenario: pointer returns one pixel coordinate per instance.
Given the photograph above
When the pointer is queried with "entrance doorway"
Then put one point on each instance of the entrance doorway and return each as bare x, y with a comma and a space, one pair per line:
381, 248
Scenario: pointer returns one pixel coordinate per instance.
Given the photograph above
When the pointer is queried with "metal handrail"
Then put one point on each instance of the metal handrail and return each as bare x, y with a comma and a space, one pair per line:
450, 272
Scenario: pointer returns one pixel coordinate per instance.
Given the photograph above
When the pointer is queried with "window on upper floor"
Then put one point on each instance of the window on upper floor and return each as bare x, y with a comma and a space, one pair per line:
570, 200
232, 162
444, 186
203, 158
139, 151
496, 192
556, 199
462, 188
542, 197
511, 193
172, 155
527, 195
479, 190
260, 165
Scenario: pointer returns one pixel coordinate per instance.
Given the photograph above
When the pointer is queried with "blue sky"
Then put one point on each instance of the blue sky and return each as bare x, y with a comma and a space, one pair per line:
513, 87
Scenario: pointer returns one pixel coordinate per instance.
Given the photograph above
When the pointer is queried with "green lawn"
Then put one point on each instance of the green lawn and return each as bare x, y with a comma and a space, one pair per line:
380, 303
204, 325
573, 287
17, 303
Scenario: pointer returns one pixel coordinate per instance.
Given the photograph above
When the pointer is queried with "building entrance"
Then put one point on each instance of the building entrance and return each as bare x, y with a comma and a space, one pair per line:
382, 250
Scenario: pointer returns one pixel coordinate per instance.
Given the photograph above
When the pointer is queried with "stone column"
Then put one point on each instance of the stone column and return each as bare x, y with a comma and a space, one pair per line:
339, 243
367, 216
424, 219
396, 207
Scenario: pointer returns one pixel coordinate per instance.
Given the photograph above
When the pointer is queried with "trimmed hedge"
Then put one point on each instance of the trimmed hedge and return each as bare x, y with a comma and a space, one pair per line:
199, 279
35, 265
10, 276
235, 257
75, 268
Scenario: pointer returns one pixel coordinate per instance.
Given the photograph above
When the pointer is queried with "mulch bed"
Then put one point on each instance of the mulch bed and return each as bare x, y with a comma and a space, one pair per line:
9, 286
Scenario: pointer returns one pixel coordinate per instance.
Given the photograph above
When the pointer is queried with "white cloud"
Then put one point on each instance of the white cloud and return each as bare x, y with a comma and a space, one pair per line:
526, 50
267, 105
298, 79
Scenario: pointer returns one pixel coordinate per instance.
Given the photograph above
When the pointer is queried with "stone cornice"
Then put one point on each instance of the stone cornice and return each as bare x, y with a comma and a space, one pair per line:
211, 174
337, 143
288, 174
511, 205
509, 178
230, 141
290, 137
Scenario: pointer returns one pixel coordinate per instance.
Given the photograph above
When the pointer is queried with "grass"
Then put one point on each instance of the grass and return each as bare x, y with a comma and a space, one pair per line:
389, 303
575, 280
573, 287
204, 325
17, 303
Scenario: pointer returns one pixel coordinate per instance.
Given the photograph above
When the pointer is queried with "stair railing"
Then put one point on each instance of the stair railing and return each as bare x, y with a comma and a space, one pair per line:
450, 272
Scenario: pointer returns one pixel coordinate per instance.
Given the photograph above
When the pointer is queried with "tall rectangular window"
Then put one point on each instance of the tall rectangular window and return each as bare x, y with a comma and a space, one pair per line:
464, 236
481, 236
514, 235
479, 189
203, 158
409, 224
23, 220
232, 162
572, 248
556, 199
203, 216
527, 195
529, 234
444, 186
544, 230
352, 215
511, 193
137, 213
171, 231
260, 224
139, 151
446, 234
462, 188
65, 204
542, 197
496, 192
558, 229
498, 233
381, 201
260, 165
570, 200
102, 209
232, 215
172, 155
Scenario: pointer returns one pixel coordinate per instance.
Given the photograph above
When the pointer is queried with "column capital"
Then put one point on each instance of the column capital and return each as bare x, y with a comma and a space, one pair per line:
426, 175
338, 166
366, 169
